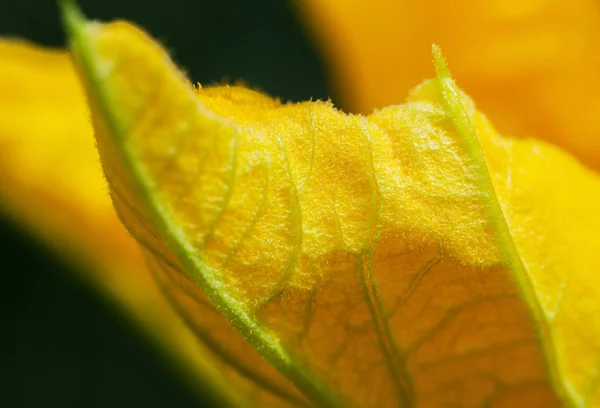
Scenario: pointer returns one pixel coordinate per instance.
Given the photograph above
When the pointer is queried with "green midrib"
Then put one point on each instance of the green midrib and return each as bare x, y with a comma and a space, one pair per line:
453, 103
262, 340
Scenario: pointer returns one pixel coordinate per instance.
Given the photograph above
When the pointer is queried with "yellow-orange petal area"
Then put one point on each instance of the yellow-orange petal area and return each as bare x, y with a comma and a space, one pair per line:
531, 65
412, 257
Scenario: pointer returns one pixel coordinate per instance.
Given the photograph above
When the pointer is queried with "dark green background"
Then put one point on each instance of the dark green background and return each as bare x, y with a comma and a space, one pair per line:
60, 345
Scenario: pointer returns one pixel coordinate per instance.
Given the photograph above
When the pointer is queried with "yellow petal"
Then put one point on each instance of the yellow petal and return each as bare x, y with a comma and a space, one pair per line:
51, 182
47, 152
531, 65
412, 257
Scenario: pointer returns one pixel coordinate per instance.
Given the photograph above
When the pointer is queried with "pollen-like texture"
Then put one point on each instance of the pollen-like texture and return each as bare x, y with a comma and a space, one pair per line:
364, 246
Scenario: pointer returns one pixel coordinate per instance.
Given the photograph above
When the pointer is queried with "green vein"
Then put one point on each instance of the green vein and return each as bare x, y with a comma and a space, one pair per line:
296, 216
394, 360
260, 211
453, 103
230, 185
219, 351
414, 282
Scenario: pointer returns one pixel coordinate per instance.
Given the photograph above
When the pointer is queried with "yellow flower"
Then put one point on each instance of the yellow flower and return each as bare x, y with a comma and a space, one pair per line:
531, 65
410, 257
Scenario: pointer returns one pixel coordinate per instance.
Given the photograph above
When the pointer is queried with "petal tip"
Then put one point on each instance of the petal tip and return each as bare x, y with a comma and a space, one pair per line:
72, 17
439, 62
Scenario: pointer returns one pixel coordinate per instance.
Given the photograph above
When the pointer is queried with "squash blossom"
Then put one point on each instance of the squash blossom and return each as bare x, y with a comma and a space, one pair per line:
295, 255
